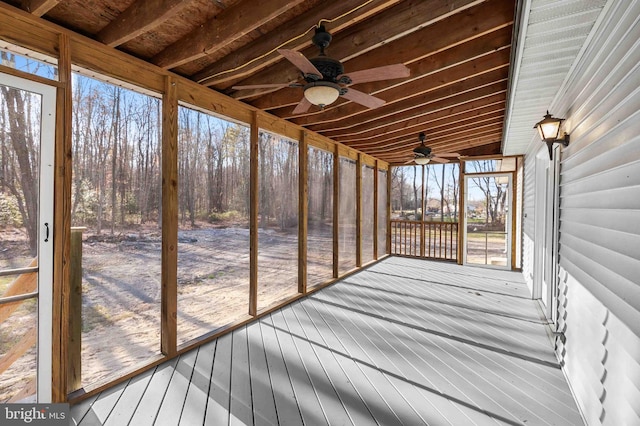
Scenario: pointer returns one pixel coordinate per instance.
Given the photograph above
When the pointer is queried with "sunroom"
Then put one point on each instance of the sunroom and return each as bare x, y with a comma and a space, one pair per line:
373, 235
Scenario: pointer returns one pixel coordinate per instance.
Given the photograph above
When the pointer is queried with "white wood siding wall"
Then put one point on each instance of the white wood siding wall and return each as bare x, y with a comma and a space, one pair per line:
599, 303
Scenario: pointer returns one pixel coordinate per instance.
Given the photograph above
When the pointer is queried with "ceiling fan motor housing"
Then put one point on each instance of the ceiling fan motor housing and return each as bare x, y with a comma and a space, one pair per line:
422, 150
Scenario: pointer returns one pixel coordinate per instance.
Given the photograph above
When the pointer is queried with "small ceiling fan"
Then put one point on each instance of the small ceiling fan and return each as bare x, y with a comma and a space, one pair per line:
422, 154
325, 80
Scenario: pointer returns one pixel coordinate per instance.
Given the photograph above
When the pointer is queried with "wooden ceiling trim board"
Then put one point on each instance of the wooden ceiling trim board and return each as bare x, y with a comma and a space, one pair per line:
274, 39
278, 104
456, 74
140, 17
425, 125
486, 145
228, 26
469, 51
364, 37
479, 97
16, 27
423, 119
39, 7
489, 127
411, 106
446, 128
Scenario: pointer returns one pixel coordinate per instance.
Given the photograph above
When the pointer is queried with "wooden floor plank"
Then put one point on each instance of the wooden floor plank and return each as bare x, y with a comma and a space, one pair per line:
404, 342
342, 340
332, 406
241, 408
310, 408
195, 404
102, 407
130, 399
79, 410
173, 401
350, 398
147, 409
346, 368
217, 406
264, 410
286, 403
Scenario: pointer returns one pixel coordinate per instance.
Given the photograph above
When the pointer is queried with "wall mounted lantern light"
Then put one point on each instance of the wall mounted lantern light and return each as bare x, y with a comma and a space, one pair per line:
549, 128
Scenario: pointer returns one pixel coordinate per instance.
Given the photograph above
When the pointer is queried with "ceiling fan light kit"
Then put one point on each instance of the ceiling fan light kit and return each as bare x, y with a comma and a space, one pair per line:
322, 93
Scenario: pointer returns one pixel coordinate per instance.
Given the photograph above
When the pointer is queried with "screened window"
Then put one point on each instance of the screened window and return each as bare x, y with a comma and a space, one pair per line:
213, 223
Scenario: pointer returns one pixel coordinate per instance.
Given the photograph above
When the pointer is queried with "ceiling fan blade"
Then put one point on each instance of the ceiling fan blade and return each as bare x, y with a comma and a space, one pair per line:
439, 160
300, 61
303, 106
447, 154
363, 99
387, 72
261, 86
409, 162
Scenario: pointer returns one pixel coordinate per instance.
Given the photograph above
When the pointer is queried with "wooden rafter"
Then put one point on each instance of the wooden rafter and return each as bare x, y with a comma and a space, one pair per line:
228, 26
217, 74
39, 7
140, 17
394, 24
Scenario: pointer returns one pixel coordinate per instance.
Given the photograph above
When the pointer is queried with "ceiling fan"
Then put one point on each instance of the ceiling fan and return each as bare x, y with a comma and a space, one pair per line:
325, 80
422, 154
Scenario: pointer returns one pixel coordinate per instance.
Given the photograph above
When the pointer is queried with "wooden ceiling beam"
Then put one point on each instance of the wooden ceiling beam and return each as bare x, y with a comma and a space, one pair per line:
427, 123
450, 128
239, 65
394, 23
228, 26
491, 146
422, 87
411, 142
442, 113
466, 51
460, 147
39, 7
140, 17
492, 81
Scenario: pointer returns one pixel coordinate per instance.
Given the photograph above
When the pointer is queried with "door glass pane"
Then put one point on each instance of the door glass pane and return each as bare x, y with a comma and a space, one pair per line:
487, 205
19, 175
20, 124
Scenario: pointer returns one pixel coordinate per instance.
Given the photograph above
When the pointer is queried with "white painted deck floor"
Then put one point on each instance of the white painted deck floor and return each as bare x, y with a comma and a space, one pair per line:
404, 342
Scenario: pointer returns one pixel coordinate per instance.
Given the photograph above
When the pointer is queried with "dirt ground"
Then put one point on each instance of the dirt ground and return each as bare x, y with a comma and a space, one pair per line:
121, 292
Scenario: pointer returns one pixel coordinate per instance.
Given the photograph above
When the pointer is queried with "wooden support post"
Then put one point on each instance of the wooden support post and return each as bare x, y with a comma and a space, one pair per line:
359, 211
336, 211
375, 210
74, 359
62, 224
169, 310
303, 203
388, 248
253, 217
462, 213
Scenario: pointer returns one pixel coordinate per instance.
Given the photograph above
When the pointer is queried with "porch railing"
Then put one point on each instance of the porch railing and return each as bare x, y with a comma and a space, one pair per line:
21, 289
432, 240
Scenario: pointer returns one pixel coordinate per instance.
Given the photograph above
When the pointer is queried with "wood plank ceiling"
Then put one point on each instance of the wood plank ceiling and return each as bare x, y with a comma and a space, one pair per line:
457, 51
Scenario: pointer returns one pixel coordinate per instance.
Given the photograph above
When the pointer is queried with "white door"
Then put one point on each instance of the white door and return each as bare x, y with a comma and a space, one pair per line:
27, 137
487, 220
546, 231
